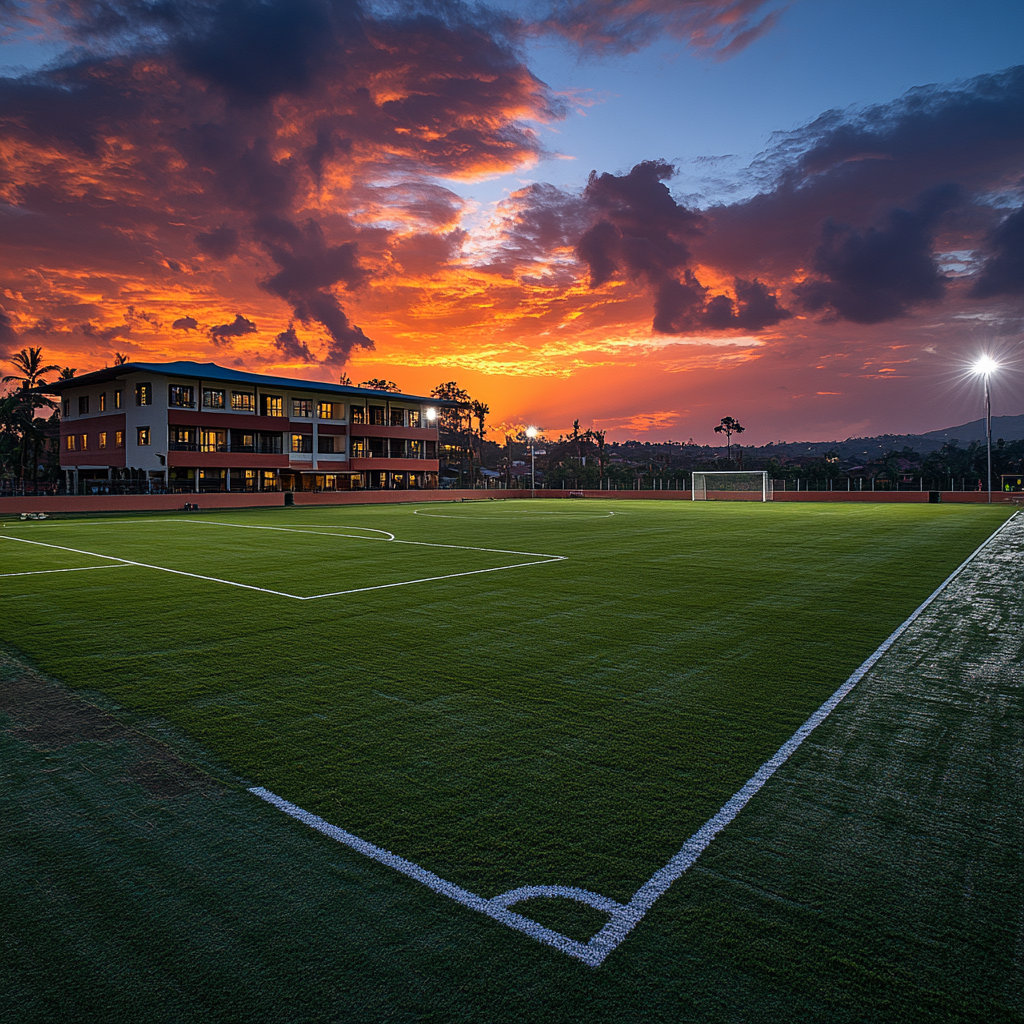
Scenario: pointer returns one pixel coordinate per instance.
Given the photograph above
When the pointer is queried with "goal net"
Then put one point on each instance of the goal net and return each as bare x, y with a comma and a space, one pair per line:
732, 485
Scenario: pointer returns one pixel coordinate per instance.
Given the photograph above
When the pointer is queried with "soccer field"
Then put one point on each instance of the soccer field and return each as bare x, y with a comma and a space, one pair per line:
537, 699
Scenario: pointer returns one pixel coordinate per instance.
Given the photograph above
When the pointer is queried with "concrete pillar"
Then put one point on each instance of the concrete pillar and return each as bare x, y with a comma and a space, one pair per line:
196, 481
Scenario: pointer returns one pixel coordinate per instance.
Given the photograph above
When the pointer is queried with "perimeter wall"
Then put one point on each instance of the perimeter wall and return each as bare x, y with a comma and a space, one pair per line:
170, 502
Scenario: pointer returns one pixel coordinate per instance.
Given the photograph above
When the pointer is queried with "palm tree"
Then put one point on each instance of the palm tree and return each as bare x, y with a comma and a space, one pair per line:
29, 361
597, 436
68, 372
120, 358
729, 426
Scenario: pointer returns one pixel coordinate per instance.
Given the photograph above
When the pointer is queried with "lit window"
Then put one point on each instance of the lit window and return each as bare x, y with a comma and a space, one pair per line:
103, 401
117, 399
243, 401
272, 405
213, 440
143, 394
144, 435
180, 395
83, 405
414, 417
377, 415
119, 436
330, 411
103, 439
83, 441
302, 408
213, 398
358, 414
70, 442
302, 442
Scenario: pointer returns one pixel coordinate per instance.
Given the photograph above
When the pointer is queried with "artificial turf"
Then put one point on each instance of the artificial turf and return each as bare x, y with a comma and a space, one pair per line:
567, 723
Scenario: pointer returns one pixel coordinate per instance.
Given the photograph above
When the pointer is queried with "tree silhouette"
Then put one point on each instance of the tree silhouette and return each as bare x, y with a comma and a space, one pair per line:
68, 372
379, 384
120, 358
729, 426
480, 411
29, 363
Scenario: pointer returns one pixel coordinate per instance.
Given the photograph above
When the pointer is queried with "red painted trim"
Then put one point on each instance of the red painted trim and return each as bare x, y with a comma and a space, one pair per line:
227, 420
227, 460
399, 465
411, 433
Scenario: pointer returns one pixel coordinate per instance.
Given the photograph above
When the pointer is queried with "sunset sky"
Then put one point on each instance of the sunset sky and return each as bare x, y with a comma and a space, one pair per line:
645, 214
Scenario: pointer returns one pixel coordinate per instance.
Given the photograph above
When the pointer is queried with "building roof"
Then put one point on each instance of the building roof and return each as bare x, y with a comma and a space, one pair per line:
213, 372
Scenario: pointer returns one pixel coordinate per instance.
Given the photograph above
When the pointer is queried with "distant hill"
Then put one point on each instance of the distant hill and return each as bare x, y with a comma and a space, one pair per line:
1009, 428
865, 449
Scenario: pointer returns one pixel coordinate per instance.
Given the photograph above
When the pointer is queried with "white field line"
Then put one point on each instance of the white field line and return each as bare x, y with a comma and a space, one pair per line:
541, 560
512, 513
622, 917
44, 572
390, 538
146, 565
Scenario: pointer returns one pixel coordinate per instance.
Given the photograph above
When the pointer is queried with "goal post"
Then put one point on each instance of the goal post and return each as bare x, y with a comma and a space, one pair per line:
731, 485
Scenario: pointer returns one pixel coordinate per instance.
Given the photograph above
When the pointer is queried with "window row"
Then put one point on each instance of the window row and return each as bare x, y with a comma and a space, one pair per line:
374, 415
392, 448
183, 396
105, 439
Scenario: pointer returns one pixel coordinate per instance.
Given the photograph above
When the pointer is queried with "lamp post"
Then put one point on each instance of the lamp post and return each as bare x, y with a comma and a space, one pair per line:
985, 366
531, 433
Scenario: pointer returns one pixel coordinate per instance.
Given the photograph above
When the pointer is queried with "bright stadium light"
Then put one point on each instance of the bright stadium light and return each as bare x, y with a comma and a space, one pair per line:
431, 414
985, 366
531, 433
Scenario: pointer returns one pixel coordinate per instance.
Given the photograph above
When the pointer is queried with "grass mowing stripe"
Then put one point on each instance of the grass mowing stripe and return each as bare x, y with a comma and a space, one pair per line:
623, 918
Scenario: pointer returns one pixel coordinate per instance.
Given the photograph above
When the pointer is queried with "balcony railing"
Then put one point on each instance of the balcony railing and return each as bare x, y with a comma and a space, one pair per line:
263, 448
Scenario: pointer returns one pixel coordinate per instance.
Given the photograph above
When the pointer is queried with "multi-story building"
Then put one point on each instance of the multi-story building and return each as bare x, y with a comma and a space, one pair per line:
199, 427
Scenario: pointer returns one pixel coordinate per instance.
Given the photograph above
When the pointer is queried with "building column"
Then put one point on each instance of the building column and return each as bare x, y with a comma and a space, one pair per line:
196, 487
227, 484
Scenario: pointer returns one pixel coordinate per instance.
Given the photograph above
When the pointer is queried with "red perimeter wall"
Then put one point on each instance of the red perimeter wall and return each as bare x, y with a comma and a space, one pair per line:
170, 502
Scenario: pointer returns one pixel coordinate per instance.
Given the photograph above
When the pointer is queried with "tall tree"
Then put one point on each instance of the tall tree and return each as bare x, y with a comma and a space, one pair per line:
68, 372
729, 426
29, 364
379, 384
120, 358
597, 436
480, 411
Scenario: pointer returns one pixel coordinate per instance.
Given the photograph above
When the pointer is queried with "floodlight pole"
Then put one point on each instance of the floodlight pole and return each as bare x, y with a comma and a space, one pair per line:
988, 435
533, 471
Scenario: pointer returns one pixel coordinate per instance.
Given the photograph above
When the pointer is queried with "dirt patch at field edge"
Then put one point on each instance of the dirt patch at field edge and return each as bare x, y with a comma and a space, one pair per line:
50, 718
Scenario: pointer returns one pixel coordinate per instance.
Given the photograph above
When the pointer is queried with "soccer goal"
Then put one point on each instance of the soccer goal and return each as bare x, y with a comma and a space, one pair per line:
732, 485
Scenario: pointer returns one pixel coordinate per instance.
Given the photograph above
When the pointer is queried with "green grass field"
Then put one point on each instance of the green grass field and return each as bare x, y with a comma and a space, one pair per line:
505, 693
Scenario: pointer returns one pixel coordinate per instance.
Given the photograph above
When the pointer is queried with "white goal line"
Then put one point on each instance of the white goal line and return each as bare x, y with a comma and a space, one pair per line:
623, 917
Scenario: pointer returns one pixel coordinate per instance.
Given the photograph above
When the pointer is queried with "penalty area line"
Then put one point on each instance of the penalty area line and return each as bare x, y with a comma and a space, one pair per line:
623, 918
44, 572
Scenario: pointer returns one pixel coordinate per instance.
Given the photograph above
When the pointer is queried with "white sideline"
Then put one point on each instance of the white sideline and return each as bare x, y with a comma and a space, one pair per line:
44, 572
623, 917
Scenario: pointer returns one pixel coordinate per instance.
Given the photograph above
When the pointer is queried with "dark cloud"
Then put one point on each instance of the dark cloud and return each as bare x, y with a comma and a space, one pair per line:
8, 335
254, 49
880, 273
642, 233
238, 327
309, 267
185, 323
220, 243
1003, 272
168, 117
855, 167
719, 28
292, 348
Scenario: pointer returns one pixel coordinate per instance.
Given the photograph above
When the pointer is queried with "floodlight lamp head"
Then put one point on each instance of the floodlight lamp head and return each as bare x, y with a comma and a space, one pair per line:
985, 365
531, 432
431, 414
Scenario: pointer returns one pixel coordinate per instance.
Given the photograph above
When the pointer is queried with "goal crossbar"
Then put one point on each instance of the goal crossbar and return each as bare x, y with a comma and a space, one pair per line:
731, 484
